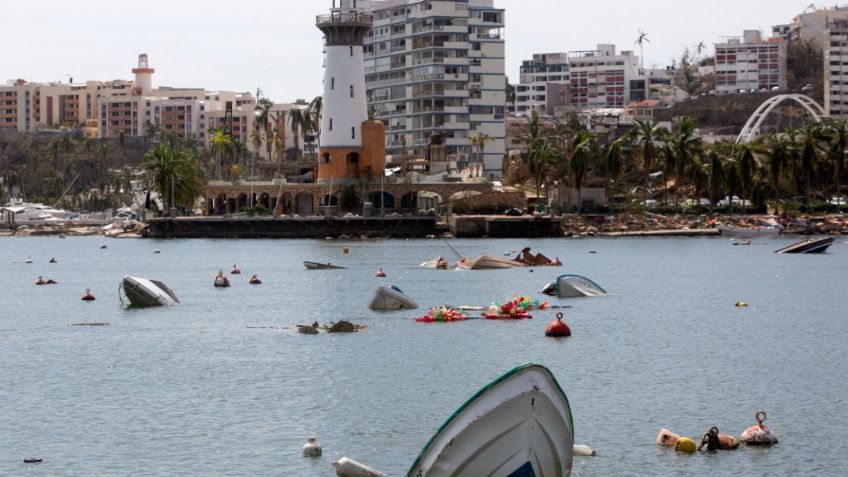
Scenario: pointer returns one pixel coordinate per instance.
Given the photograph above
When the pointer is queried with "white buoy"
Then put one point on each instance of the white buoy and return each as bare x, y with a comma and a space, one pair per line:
102, 246
312, 448
350, 468
584, 450
28, 260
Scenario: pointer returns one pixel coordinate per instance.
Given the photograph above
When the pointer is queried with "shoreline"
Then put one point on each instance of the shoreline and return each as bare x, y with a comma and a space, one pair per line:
412, 227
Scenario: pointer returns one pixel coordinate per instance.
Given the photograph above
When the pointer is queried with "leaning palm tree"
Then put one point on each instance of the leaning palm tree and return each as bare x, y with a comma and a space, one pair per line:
615, 158
478, 141
583, 154
715, 177
316, 109
685, 147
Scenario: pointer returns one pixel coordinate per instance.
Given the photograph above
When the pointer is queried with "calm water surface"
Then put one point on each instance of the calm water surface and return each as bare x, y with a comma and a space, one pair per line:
196, 390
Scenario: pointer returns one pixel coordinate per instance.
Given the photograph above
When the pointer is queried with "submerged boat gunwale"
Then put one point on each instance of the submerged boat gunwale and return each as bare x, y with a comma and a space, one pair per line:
482, 392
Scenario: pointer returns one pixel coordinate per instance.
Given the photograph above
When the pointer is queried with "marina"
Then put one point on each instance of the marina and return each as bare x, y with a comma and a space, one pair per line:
224, 384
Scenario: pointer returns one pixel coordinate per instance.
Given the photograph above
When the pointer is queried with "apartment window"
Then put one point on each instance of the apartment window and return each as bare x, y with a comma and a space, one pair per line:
332, 83
351, 91
351, 51
353, 133
331, 124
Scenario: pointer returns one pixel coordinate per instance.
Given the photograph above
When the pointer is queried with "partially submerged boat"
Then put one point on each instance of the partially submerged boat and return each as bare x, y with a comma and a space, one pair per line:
321, 266
573, 286
746, 232
391, 299
818, 245
143, 292
518, 425
488, 262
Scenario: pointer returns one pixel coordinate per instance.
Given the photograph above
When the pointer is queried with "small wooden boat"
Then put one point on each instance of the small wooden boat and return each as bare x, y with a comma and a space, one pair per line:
142, 292
573, 286
518, 425
818, 245
391, 299
321, 266
745, 232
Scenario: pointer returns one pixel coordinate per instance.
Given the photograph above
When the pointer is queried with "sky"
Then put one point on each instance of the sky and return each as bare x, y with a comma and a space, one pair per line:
274, 45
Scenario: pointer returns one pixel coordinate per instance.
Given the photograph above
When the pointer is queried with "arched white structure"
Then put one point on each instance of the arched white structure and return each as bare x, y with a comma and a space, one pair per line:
752, 127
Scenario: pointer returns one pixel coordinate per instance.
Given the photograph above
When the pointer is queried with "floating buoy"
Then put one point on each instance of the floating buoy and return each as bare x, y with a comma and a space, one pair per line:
685, 444
380, 273
40, 281
583, 450
157, 251
667, 438
557, 329
741, 304
53, 260
235, 270
102, 246
345, 250
715, 441
88, 296
254, 280
28, 260
33, 460
759, 434
221, 281
312, 448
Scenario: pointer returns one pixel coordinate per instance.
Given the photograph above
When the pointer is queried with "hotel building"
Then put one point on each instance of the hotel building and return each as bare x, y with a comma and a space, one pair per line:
750, 64
543, 84
603, 78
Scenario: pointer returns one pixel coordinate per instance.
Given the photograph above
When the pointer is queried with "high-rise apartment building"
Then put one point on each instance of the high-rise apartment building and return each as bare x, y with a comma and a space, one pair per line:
836, 69
603, 78
750, 63
438, 66
543, 84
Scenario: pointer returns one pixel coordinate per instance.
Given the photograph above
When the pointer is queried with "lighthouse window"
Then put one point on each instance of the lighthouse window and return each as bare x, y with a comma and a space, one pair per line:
353, 133
351, 51
351, 91
332, 83
331, 124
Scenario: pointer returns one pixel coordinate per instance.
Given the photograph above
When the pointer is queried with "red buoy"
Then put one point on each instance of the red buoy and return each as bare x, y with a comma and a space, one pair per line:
254, 280
558, 328
381, 273
88, 296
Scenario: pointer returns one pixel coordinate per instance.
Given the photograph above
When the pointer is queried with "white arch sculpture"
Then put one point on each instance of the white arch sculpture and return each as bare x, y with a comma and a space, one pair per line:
752, 127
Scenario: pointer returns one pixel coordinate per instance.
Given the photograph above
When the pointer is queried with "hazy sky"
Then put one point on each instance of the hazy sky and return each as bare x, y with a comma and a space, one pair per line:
274, 44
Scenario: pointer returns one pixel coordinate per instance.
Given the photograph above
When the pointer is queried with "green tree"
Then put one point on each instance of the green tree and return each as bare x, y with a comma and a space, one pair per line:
478, 141
809, 158
685, 147
174, 174
777, 156
646, 134
221, 144
715, 177
837, 134
583, 154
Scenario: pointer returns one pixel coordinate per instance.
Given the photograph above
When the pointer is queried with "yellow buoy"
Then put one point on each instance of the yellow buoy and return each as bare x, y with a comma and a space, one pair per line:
685, 444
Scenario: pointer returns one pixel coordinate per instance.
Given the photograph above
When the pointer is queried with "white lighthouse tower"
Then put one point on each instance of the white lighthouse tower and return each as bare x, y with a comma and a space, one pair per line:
143, 76
345, 129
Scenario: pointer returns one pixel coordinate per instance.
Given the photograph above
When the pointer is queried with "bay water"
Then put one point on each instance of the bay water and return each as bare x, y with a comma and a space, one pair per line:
223, 384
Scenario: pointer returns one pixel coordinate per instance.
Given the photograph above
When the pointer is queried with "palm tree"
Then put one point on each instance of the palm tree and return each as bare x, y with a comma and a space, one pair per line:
685, 147
539, 159
301, 125
778, 159
838, 135
316, 108
615, 158
478, 141
745, 165
646, 134
222, 145
808, 164
263, 119
715, 176
583, 154
643, 37
174, 174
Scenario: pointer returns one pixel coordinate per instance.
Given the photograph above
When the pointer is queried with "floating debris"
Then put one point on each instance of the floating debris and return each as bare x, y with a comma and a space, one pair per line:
89, 324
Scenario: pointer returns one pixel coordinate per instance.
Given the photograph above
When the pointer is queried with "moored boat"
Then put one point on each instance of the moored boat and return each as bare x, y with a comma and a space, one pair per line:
818, 245
321, 266
143, 292
745, 232
391, 299
518, 425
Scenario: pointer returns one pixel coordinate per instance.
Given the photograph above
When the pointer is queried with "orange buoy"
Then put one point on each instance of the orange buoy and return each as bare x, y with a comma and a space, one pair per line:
380, 273
715, 441
235, 270
558, 328
88, 296
345, 250
40, 281
759, 434
254, 280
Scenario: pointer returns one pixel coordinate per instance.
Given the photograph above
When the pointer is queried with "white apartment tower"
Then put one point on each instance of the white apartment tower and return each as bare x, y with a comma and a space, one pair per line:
543, 84
836, 69
603, 78
438, 66
345, 107
750, 64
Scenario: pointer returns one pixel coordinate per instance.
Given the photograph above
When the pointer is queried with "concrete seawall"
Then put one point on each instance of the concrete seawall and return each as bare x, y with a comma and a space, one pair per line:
291, 228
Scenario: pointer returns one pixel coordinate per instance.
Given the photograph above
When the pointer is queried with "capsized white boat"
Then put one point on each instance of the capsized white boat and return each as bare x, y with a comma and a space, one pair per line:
573, 286
143, 292
518, 425
391, 299
488, 262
